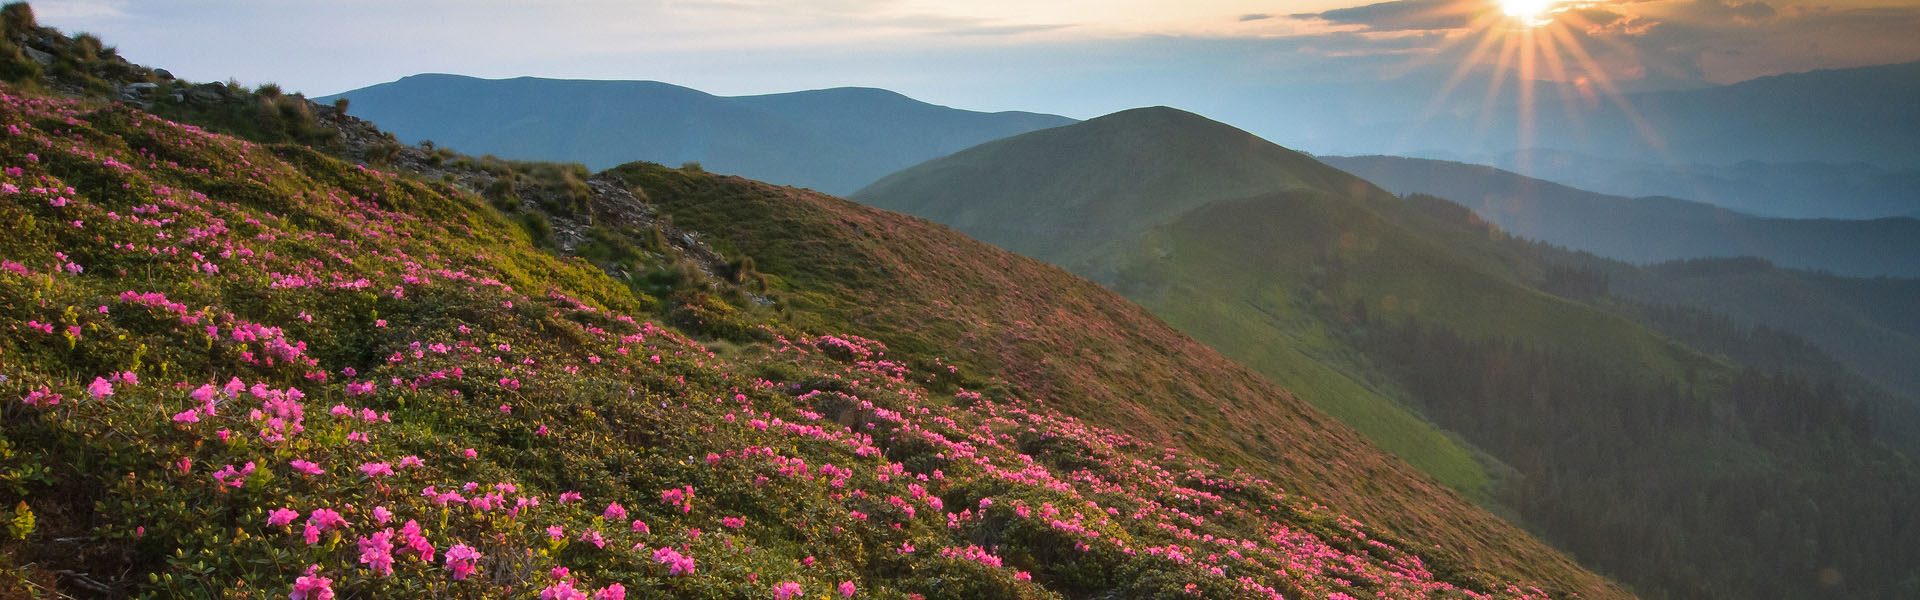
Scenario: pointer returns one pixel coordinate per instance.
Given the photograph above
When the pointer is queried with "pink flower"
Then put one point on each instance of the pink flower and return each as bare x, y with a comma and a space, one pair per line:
188, 416
569, 496
613, 591
416, 541
594, 537
677, 563
410, 461
230, 476
326, 519
306, 466
460, 560
382, 514
312, 586
556, 532
786, 589
203, 394
615, 512
281, 517
562, 590
42, 397
376, 552
846, 589
1023, 576
470, 453
733, 522
376, 469
100, 388
640, 526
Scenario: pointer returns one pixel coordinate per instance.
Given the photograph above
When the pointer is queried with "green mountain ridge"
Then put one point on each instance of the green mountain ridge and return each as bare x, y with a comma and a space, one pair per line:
1323, 281
834, 140
1855, 319
1653, 229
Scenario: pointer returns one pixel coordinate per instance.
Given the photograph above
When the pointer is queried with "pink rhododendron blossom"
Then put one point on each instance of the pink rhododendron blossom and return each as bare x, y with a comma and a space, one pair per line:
416, 541
613, 591
562, 590
846, 589
677, 563
312, 586
306, 466
280, 517
786, 590
460, 559
376, 551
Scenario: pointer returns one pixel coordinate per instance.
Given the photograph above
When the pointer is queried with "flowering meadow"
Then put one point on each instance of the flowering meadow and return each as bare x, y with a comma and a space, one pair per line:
255, 371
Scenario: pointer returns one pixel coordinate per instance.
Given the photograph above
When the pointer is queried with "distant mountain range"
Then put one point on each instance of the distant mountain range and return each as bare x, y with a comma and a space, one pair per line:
1649, 229
1399, 315
1799, 190
832, 140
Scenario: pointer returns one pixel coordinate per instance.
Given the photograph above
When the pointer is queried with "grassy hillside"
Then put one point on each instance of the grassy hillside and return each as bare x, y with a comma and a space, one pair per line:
255, 370
1597, 424
1648, 230
834, 140
1047, 334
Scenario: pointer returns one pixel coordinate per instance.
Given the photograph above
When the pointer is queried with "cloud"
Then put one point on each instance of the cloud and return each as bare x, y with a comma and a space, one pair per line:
1255, 17
1404, 15
1725, 10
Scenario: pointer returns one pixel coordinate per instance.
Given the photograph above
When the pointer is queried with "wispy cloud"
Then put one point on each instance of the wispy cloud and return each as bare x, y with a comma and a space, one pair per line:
1405, 15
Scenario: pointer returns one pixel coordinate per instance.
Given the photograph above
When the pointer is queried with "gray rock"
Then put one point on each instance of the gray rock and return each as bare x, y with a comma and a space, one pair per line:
45, 60
207, 93
164, 74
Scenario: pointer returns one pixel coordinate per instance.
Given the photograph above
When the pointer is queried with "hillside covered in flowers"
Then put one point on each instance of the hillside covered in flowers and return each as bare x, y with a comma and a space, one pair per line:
244, 370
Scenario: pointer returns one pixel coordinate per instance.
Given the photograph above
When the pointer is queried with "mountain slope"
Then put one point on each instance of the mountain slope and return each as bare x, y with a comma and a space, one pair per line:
833, 140
1598, 424
1648, 230
1855, 320
313, 378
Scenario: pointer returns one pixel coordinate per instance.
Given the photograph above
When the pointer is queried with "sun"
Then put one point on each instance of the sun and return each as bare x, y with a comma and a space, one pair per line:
1532, 12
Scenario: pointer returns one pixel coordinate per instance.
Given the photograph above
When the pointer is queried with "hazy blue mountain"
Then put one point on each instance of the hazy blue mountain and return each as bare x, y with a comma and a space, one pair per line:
1649, 229
833, 140
1801, 190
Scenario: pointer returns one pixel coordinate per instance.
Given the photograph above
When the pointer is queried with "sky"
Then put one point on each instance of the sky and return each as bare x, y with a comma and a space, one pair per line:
1273, 67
